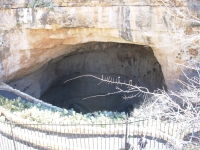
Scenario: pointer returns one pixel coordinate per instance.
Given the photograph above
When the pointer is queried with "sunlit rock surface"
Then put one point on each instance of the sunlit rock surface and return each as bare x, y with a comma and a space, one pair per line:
32, 38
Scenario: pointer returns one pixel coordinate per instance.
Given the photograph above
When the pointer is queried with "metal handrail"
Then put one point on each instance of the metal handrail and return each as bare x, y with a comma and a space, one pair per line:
86, 135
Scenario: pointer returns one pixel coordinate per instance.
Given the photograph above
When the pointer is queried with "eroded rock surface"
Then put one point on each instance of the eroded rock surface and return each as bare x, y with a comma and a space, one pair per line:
33, 36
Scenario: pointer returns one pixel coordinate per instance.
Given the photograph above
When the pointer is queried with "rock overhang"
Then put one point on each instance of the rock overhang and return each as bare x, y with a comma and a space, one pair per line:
33, 36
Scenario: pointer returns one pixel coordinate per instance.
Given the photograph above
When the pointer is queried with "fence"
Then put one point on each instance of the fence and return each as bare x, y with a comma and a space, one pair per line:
102, 136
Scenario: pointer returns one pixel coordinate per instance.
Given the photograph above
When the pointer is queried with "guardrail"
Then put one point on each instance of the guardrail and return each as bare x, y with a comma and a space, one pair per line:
104, 136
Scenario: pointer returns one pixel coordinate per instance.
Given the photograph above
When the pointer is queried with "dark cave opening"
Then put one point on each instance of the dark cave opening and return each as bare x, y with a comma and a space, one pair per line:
114, 60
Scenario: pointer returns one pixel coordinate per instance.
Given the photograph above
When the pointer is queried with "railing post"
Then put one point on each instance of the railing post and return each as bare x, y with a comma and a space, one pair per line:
12, 135
126, 134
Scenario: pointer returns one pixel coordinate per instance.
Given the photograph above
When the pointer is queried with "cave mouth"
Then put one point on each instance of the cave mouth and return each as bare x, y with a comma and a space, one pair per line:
114, 60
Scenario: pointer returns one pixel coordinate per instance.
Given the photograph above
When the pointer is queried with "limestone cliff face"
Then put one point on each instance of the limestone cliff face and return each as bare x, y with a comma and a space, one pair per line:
31, 37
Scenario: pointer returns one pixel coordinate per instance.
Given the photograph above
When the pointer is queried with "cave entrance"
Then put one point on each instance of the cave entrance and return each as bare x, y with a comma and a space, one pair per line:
127, 61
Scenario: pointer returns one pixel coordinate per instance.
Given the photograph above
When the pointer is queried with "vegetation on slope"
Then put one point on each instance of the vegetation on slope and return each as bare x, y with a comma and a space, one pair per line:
42, 114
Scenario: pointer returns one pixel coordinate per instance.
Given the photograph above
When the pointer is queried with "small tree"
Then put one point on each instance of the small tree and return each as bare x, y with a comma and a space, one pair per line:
181, 107
182, 22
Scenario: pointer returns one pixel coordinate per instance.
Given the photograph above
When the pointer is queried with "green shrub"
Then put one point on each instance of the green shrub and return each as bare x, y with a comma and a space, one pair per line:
41, 4
42, 114
14, 105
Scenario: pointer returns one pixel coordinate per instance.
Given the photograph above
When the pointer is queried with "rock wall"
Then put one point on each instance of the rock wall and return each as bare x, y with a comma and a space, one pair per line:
32, 34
